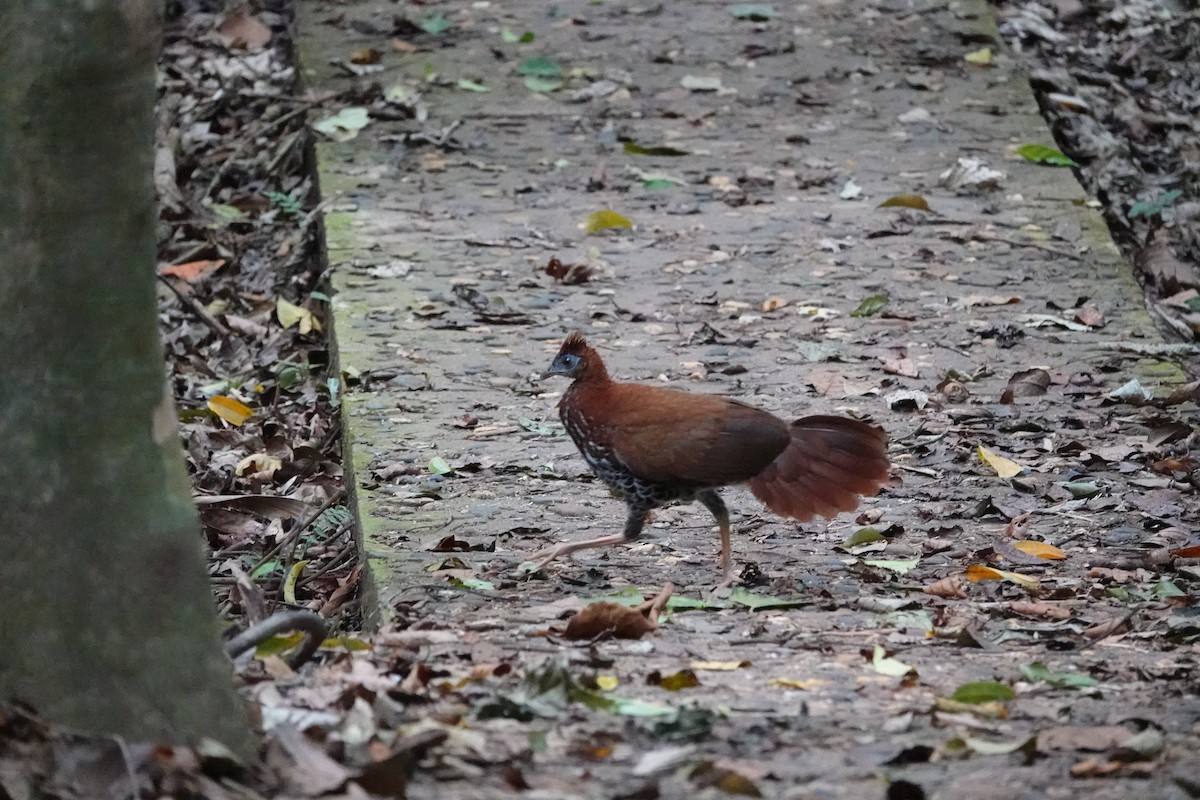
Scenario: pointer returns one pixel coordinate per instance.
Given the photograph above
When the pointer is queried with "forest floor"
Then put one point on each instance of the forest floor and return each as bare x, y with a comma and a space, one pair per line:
1013, 618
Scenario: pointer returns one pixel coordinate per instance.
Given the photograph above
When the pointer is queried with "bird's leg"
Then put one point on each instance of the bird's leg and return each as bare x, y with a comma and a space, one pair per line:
713, 502
633, 528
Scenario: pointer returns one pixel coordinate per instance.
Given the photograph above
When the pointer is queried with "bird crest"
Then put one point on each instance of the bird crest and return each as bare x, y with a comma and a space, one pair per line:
575, 343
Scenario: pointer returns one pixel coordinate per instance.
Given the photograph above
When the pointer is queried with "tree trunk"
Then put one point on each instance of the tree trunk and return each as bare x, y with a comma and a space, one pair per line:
106, 618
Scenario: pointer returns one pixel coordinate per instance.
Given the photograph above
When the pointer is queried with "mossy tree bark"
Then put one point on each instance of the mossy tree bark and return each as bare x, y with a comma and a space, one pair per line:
106, 620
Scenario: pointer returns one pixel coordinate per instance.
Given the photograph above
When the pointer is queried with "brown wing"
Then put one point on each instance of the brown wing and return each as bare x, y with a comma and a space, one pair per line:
674, 437
829, 464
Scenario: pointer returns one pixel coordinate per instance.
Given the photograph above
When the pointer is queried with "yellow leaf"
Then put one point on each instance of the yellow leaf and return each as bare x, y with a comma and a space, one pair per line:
980, 58
1040, 549
719, 666
289, 585
606, 683
978, 572
290, 314
230, 410
1005, 467
799, 683
906, 201
604, 219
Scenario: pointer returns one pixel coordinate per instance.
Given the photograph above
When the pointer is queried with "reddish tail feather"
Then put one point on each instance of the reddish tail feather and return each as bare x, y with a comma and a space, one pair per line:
830, 463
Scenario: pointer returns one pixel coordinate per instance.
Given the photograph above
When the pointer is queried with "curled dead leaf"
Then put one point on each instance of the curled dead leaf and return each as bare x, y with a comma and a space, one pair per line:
600, 620
949, 587
1036, 608
1108, 627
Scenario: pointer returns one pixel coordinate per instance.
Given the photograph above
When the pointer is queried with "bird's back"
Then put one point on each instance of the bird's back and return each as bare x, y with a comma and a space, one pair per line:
672, 437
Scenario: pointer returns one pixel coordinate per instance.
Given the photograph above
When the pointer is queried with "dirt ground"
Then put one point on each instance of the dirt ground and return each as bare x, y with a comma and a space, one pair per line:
744, 152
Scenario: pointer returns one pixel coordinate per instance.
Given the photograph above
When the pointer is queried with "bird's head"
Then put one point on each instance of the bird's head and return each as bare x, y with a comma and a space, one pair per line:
576, 360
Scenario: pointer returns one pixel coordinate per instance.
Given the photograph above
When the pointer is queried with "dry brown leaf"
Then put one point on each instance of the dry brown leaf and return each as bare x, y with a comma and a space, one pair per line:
607, 619
1108, 627
244, 31
1089, 738
1036, 608
905, 367
950, 587
192, 271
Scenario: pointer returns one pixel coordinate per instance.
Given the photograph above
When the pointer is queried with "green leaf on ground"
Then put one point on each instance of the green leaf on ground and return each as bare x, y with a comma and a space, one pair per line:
906, 201
755, 602
510, 36
344, 125
863, 536
542, 85
604, 219
438, 466
871, 306
1040, 673
540, 66
435, 23
472, 86
983, 692
1041, 154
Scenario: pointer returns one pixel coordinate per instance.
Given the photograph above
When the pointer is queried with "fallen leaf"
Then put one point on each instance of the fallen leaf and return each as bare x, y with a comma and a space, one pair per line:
192, 271
604, 219
871, 306
1040, 549
683, 679
1004, 467
1028, 383
290, 314
885, 665
949, 587
539, 66
608, 619
1041, 154
980, 58
240, 29
983, 692
914, 201
1036, 608
978, 572
774, 304
344, 125
232, 411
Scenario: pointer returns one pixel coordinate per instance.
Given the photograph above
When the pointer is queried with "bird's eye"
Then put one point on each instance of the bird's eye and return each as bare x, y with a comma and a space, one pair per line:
570, 360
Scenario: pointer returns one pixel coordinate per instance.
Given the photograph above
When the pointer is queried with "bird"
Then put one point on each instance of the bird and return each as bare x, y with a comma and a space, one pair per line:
654, 446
